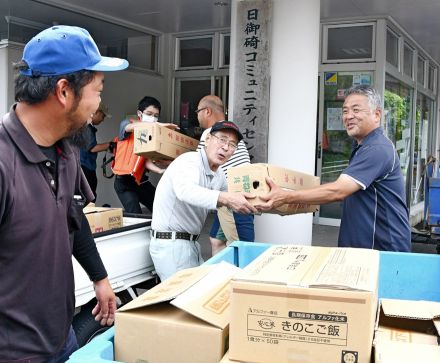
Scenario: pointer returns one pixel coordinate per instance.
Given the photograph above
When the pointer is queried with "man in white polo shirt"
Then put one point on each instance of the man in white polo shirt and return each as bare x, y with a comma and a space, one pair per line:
191, 186
226, 226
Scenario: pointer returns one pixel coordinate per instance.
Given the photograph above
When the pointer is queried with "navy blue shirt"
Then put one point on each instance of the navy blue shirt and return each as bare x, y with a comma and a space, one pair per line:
376, 216
122, 134
88, 158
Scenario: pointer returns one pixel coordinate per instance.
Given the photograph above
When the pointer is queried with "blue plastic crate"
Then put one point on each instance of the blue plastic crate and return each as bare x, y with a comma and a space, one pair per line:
410, 276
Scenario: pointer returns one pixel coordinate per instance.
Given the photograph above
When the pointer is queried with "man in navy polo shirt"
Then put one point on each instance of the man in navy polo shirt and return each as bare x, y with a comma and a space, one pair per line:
372, 187
89, 152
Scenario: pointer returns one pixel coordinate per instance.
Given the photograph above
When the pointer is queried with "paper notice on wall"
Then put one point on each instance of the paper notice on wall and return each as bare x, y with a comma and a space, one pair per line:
424, 141
334, 119
400, 144
406, 132
356, 79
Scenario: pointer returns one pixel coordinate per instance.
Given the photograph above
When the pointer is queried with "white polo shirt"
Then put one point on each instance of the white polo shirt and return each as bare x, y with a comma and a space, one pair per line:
186, 193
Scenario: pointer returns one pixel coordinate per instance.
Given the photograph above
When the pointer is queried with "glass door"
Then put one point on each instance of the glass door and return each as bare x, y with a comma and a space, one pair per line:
188, 92
422, 148
398, 105
334, 145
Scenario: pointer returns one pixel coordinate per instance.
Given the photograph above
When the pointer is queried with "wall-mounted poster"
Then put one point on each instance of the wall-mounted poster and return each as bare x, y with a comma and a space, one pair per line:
331, 78
334, 119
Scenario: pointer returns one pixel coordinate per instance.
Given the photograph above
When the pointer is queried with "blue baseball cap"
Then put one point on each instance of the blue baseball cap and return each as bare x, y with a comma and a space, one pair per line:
64, 49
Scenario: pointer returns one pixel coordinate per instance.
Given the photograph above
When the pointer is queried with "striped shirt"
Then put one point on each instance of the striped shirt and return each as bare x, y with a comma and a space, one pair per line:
239, 157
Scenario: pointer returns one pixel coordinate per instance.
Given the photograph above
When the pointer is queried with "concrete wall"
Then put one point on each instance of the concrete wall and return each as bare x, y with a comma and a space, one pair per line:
9, 54
3, 79
292, 111
122, 92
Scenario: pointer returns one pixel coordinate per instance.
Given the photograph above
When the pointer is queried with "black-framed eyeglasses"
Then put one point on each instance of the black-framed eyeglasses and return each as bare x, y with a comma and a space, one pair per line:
222, 141
200, 109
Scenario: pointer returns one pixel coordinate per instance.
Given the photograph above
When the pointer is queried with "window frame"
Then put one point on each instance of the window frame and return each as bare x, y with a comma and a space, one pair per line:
325, 29
177, 58
221, 56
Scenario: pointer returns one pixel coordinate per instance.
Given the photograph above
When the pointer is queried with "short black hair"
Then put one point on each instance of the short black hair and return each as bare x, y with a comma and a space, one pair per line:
35, 89
148, 101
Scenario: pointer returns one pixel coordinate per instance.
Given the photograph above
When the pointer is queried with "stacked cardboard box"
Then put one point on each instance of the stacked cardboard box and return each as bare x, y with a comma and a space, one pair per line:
305, 304
407, 332
103, 219
252, 179
154, 141
184, 319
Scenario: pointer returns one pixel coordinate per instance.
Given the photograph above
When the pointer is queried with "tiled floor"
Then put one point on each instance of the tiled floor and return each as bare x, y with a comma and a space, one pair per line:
321, 236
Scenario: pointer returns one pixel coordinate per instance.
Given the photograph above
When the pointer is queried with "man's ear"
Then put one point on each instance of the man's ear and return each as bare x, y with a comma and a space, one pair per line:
208, 138
378, 114
63, 91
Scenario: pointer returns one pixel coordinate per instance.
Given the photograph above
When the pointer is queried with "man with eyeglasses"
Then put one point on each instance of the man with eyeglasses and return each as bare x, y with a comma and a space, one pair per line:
191, 186
375, 214
227, 226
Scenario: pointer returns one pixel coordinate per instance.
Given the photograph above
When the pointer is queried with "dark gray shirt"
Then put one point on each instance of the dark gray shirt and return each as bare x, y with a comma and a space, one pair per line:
36, 225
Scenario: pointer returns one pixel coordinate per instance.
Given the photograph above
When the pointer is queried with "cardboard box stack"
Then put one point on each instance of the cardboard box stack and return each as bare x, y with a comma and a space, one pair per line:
103, 219
305, 304
155, 141
252, 179
407, 332
184, 319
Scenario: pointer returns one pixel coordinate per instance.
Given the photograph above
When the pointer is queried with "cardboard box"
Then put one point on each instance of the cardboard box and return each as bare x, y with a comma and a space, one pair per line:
184, 319
305, 304
407, 331
226, 359
103, 219
252, 179
155, 141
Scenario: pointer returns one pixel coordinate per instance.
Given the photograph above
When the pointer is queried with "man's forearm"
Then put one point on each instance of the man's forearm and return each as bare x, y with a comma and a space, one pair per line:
99, 147
325, 193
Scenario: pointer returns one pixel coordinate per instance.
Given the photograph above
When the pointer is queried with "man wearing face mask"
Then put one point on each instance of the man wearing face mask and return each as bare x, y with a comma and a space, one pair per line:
131, 192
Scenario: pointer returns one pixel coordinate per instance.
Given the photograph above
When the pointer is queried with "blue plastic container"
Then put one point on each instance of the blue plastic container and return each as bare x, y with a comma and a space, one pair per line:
410, 276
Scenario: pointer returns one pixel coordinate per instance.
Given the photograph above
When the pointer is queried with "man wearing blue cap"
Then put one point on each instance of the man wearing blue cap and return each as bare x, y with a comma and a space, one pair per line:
42, 192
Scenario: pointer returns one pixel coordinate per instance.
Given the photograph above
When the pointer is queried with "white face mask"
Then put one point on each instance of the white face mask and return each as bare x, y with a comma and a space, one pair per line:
148, 118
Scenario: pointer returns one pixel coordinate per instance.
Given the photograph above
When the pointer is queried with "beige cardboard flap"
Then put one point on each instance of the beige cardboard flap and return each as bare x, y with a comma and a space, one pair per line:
291, 179
347, 268
170, 288
281, 264
307, 266
209, 298
406, 353
421, 310
387, 334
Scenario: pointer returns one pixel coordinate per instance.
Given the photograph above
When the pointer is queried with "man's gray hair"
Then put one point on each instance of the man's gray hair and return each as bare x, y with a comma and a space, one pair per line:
374, 100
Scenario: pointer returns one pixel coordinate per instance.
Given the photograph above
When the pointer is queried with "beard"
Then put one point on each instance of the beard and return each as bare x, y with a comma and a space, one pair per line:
79, 138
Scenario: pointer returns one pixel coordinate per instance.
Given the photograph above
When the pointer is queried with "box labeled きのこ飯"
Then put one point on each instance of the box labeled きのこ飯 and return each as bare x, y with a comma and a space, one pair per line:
407, 331
184, 319
155, 141
305, 304
252, 179
103, 219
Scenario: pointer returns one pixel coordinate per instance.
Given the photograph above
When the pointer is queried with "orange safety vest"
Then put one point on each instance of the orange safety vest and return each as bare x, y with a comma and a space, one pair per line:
126, 162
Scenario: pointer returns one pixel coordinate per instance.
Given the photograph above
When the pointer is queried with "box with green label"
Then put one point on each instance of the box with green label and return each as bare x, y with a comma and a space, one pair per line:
252, 179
